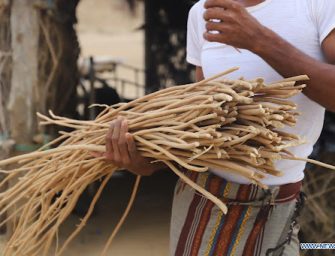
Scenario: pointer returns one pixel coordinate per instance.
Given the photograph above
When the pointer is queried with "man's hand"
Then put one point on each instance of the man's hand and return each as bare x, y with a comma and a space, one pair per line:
236, 27
241, 30
121, 150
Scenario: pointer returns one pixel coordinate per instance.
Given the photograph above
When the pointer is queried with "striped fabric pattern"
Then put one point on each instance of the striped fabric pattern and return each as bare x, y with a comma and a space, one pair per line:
196, 220
202, 230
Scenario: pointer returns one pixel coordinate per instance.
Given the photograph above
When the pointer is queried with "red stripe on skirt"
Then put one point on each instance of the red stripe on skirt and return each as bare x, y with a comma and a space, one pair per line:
213, 187
234, 213
260, 221
187, 225
192, 176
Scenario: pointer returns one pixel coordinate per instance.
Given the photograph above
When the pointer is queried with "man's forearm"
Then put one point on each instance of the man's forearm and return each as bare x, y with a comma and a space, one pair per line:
244, 31
289, 61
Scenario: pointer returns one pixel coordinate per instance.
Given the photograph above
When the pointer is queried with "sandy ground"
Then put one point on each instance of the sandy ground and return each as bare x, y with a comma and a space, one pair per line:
107, 28
146, 231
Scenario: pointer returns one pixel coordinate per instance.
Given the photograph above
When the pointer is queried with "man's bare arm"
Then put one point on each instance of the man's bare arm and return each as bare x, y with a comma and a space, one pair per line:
289, 61
241, 30
199, 75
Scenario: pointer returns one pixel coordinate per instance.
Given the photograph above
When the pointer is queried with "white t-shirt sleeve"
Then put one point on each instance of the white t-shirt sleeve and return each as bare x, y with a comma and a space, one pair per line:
194, 41
325, 17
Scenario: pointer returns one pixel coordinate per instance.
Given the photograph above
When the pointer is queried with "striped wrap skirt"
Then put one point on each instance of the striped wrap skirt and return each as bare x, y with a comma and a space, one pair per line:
259, 222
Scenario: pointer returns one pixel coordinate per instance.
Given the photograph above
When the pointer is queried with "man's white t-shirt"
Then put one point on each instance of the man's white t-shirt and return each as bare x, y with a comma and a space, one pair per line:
304, 24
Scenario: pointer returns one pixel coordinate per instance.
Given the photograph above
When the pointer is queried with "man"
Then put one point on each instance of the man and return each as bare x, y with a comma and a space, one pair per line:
275, 39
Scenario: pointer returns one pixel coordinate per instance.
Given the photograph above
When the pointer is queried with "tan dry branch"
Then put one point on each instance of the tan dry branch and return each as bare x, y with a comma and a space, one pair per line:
230, 125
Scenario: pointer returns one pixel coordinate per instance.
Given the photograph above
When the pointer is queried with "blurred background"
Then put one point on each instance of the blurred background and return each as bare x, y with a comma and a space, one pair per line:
65, 55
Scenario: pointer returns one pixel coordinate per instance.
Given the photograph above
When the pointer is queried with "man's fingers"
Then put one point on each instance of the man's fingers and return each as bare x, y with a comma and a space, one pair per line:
211, 37
132, 149
214, 26
227, 4
115, 139
123, 147
214, 14
109, 139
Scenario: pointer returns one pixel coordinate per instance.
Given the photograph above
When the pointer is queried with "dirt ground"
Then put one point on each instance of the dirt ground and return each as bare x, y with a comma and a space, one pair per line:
146, 231
107, 28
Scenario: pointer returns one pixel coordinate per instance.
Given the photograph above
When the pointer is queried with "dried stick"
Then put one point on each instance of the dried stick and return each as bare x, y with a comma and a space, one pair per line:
204, 192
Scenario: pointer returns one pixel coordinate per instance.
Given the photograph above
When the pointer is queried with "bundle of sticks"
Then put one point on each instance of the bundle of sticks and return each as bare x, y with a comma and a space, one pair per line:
230, 125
